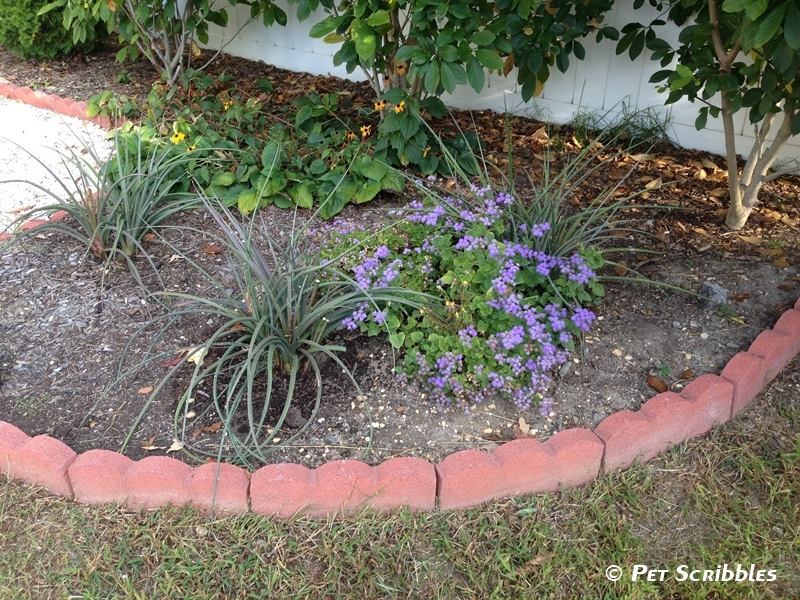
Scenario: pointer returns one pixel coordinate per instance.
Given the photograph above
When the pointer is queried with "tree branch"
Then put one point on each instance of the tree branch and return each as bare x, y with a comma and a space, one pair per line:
782, 173
725, 58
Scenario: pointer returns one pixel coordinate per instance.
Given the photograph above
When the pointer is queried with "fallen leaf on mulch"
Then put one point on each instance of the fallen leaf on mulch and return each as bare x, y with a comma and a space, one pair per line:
687, 374
521, 435
210, 429
212, 249
620, 269
148, 237
655, 184
657, 383
781, 263
718, 192
786, 286
741, 297
174, 362
768, 251
196, 355
751, 240
176, 446
146, 390
147, 445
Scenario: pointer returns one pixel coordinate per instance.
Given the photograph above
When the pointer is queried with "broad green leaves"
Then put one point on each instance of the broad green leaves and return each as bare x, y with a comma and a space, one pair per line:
768, 31
427, 48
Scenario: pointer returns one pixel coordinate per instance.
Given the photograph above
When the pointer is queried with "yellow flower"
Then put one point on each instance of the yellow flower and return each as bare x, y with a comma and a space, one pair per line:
400, 107
366, 130
178, 137
401, 69
190, 148
351, 135
425, 154
227, 104
382, 104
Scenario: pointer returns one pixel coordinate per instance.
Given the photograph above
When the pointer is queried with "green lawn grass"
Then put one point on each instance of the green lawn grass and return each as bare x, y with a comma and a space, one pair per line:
730, 497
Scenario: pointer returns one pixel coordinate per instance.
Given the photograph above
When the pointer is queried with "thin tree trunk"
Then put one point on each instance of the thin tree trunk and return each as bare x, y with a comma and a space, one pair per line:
756, 170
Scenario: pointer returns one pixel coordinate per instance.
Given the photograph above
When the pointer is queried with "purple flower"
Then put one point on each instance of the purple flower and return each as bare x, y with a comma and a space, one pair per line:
583, 318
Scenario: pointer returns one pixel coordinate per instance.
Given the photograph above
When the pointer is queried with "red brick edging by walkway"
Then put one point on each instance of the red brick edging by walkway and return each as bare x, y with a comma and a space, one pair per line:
464, 479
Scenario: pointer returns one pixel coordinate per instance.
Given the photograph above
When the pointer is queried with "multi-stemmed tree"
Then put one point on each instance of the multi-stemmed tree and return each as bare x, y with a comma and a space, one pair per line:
732, 55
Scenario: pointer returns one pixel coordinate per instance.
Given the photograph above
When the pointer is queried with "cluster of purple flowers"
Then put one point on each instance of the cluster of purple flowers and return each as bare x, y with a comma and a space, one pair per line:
531, 341
466, 335
536, 230
359, 316
372, 273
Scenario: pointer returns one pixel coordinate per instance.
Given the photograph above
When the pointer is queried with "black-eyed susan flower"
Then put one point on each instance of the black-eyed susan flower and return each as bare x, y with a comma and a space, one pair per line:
226, 104
190, 148
382, 104
351, 136
366, 130
425, 153
401, 69
400, 107
178, 137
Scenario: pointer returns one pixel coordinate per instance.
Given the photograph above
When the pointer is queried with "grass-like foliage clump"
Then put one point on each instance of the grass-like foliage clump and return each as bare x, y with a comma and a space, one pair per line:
268, 331
113, 202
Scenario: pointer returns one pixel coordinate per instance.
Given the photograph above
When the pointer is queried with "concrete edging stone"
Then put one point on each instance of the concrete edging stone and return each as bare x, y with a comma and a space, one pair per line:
464, 479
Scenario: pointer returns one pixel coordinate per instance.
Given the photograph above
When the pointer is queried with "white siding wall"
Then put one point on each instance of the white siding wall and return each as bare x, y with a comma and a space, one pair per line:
603, 83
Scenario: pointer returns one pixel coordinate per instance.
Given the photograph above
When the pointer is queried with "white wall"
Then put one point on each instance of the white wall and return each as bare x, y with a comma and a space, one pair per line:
603, 83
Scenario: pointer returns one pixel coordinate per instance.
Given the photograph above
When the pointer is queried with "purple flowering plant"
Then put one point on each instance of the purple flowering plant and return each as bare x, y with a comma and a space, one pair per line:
507, 314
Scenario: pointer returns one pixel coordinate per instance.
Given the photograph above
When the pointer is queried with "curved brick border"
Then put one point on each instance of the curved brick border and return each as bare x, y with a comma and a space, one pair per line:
464, 479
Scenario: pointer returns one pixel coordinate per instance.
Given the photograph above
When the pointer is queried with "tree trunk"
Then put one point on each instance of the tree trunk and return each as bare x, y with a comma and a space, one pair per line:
744, 191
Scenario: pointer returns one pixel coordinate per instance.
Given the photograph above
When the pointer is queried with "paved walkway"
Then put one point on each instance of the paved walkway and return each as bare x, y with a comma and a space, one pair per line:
27, 132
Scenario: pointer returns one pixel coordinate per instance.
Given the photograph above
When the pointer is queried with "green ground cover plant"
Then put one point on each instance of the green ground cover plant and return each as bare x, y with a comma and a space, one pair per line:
304, 155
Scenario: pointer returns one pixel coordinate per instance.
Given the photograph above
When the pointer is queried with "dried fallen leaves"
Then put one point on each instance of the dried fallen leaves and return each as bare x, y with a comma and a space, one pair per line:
213, 428
657, 384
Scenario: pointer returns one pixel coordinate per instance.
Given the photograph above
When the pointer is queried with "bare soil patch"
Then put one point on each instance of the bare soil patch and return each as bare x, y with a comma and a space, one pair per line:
65, 319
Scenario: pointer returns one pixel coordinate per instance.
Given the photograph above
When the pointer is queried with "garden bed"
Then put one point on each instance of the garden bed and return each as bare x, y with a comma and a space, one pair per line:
66, 320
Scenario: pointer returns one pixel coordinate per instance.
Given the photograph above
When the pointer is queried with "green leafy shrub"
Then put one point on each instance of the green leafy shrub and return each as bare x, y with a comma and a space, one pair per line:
161, 31
298, 156
29, 35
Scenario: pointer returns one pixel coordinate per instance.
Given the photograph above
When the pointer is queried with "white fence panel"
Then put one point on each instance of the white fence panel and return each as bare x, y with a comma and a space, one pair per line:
604, 83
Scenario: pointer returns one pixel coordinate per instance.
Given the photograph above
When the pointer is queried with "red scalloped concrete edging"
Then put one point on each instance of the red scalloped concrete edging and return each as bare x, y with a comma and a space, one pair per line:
464, 479
53, 102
